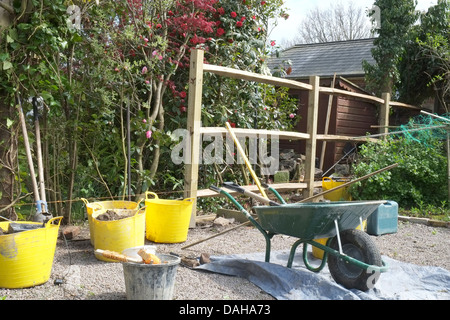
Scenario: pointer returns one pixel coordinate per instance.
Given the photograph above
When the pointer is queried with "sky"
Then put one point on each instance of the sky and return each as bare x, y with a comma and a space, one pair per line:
299, 8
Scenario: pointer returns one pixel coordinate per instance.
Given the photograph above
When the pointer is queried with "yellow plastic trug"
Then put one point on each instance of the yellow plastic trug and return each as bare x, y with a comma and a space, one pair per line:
105, 205
167, 221
318, 253
26, 257
337, 195
118, 235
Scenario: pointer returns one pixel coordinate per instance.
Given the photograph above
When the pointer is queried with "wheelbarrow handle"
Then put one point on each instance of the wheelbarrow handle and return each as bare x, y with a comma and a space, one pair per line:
238, 205
275, 192
214, 188
236, 187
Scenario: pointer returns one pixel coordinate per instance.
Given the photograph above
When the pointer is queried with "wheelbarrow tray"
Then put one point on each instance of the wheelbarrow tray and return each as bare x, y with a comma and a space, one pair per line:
314, 220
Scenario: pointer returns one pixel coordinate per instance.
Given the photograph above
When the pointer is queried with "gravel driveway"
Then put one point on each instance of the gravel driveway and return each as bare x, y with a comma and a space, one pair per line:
86, 278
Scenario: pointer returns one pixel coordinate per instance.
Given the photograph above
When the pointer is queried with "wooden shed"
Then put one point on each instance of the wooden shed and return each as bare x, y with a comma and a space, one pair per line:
340, 62
338, 115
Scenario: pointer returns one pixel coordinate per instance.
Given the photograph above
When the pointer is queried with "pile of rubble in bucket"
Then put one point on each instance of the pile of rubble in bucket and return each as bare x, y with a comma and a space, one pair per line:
19, 227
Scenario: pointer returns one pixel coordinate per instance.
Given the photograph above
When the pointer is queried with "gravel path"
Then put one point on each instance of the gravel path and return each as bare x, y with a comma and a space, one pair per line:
86, 278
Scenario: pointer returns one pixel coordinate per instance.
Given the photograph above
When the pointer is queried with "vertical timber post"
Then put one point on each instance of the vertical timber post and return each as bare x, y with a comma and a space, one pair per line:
327, 123
312, 120
384, 114
448, 164
193, 127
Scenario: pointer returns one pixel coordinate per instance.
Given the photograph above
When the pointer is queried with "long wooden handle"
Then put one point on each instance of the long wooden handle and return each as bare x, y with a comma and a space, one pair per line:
40, 164
247, 163
216, 235
350, 182
117, 256
28, 151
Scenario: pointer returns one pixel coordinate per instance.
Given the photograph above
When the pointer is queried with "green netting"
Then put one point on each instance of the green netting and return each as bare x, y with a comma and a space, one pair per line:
425, 128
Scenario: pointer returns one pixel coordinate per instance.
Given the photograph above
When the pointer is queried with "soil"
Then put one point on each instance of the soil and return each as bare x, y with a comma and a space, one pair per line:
116, 214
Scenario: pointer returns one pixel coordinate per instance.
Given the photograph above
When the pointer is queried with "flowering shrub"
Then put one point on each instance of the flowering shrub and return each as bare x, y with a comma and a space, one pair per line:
134, 54
149, 51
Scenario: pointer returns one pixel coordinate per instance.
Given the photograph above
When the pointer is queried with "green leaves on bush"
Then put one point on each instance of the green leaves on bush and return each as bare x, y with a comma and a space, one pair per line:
421, 175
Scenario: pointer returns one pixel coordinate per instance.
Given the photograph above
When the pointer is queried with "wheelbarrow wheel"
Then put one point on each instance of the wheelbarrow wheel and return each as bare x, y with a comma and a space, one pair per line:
358, 245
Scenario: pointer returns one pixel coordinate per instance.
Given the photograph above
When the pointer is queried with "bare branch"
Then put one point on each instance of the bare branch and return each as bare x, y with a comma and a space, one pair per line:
7, 7
337, 23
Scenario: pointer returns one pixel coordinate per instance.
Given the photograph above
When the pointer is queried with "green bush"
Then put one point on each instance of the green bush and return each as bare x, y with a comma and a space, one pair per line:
420, 177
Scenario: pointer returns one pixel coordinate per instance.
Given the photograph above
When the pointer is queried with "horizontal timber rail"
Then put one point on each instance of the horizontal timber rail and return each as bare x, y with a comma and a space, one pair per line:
283, 135
280, 187
293, 84
250, 76
350, 94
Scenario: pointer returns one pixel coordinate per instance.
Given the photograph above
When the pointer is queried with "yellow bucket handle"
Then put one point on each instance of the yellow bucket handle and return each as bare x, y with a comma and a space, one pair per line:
49, 222
326, 179
93, 203
139, 209
152, 193
156, 196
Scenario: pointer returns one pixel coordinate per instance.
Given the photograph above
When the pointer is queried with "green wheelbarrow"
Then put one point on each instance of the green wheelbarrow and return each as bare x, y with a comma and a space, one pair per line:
353, 258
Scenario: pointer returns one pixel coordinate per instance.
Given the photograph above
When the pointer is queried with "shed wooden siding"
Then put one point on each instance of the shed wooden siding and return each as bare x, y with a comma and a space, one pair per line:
353, 118
348, 117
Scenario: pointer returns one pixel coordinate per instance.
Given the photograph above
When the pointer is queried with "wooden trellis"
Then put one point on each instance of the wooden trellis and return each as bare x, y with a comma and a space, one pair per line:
197, 69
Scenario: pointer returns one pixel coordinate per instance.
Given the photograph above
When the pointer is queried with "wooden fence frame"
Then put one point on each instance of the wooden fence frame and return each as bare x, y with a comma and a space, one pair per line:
197, 69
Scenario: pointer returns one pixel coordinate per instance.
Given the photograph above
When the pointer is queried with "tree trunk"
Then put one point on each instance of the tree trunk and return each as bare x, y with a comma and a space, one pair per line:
8, 145
8, 161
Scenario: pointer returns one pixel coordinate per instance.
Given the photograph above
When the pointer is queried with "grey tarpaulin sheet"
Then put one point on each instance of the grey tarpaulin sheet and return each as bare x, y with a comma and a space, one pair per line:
403, 281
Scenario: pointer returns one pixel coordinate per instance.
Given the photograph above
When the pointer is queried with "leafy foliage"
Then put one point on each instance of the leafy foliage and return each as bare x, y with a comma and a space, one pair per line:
397, 17
131, 55
425, 68
421, 175
411, 52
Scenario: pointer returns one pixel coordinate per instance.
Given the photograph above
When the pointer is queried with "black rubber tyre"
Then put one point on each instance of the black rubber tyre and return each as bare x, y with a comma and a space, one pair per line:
356, 244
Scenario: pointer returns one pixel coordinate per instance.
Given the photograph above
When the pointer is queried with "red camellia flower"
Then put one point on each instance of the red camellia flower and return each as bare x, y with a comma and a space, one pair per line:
221, 11
263, 3
183, 94
239, 24
220, 32
233, 14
